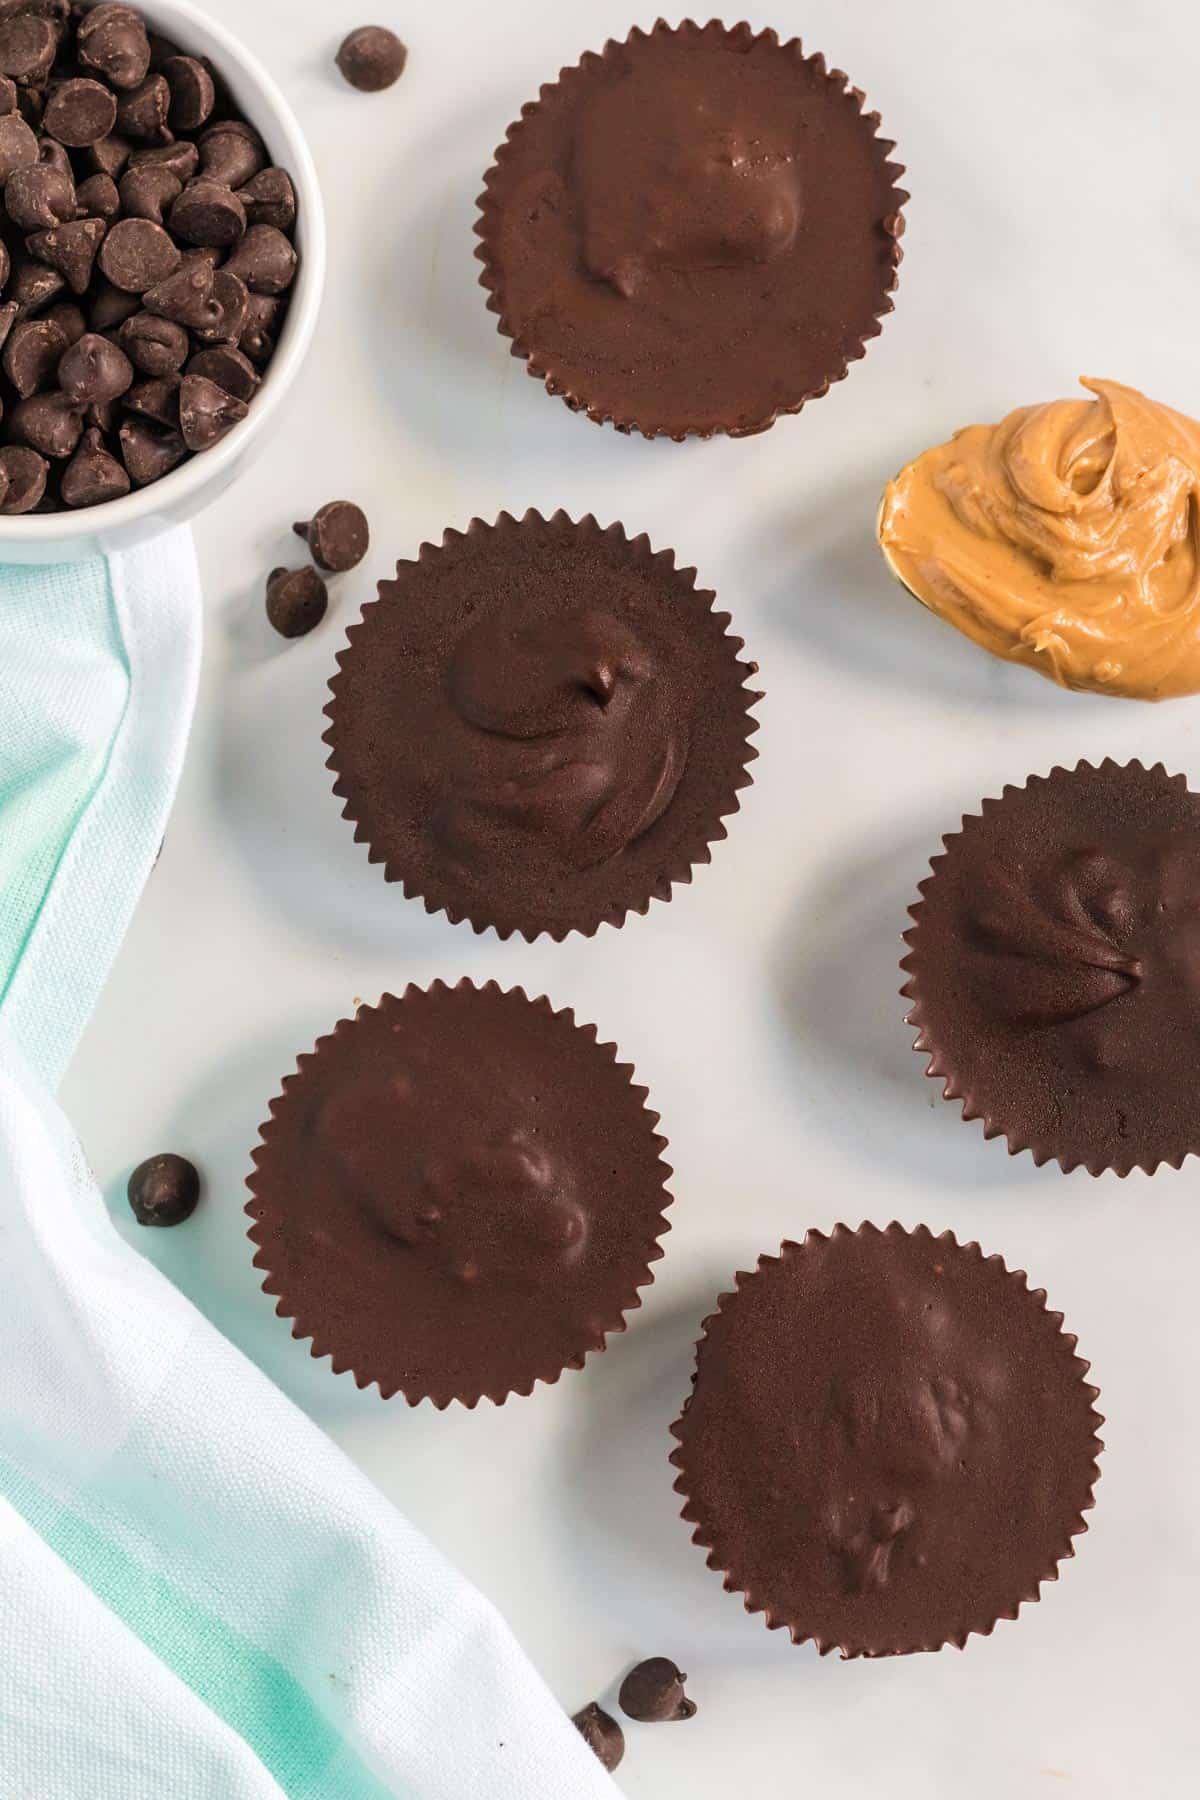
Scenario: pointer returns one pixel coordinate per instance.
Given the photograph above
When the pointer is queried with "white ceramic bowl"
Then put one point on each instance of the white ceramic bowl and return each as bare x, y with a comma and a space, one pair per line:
69, 536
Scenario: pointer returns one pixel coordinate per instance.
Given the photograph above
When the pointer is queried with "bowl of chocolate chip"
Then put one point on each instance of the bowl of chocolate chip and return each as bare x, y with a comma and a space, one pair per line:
162, 252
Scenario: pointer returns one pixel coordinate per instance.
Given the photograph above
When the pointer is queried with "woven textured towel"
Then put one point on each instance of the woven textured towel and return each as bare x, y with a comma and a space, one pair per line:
201, 1598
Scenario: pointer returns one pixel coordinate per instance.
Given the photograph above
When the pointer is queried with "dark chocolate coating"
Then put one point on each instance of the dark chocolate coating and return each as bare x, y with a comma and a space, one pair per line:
601, 1733
540, 725
890, 1442
164, 1190
460, 1193
653, 1692
1054, 967
693, 232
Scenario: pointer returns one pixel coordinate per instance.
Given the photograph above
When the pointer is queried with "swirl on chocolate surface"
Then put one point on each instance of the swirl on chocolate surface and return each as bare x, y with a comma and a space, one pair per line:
459, 1193
889, 1442
692, 232
540, 725
1067, 537
1054, 967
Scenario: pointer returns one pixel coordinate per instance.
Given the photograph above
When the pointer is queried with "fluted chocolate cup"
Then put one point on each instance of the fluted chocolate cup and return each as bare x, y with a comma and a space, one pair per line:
692, 232
459, 1193
541, 725
889, 1444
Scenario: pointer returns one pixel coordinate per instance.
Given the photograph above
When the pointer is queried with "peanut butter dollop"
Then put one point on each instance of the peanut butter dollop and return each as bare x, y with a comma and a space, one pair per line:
1066, 537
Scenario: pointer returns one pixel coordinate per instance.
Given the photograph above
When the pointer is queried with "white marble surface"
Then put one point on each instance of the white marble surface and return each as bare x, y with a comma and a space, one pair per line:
1054, 230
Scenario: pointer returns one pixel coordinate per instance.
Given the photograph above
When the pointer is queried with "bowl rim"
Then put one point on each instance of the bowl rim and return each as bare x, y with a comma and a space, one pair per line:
271, 114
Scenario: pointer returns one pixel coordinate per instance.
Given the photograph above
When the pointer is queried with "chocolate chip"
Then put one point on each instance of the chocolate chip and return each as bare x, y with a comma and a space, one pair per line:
8, 95
34, 285
601, 1734
207, 213
653, 1692
155, 346
80, 112
337, 535
372, 58
270, 199
51, 152
70, 321
142, 112
265, 260
228, 368
146, 189
37, 198
230, 296
110, 155
94, 370
104, 417
27, 47
137, 254
49, 423
157, 399
24, 473
182, 158
98, 197
296, 601
9, 313
192, 92
93, 474
186, 296
111, 306
113, 41
32, 354
207, 412
232, 152
149, 452
18, 145
259, 333
57, 11
71, 250
164, 1190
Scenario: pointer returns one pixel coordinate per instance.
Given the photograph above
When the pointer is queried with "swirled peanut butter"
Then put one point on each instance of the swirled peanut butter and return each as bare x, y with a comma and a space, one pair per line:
1066, 537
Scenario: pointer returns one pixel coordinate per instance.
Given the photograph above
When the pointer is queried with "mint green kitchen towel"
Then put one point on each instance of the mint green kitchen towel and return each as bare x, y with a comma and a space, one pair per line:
201, 1598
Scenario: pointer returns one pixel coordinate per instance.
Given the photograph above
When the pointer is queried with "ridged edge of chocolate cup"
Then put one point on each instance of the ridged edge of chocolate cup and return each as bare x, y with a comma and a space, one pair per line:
553, 93
937, 1068
693, 853
776, 1620
641, 1273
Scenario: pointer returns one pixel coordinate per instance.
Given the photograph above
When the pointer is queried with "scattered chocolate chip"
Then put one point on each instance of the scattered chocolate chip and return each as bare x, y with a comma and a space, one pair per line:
228, 368
207, 412
270, 199
52, 152
48, 423
98, 197
265, 260
80, 112
192, 92
71, 250
653, 1692
337, 535
182, 158
149, 451
155, 346
296, 601
164, 1190
230, 296
94, 370
110, 155
601, 1733
156, 398
24, 473
18, 145
93, 474
258, 337
70, 321
208, 213
33, 285
39, 197
137, 254
146, 188
8, 314
232, 152
113, 41
142, 112
372, 58
32, 354
186, 296
110, 305
27, 47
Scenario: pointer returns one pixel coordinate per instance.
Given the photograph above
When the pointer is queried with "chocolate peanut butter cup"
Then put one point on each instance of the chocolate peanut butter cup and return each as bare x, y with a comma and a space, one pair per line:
540, 725
459, 1193
889, 1444
1054, 967
692, 232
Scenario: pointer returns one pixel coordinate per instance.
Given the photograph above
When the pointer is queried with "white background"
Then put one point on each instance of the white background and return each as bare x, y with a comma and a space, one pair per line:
1054, 230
